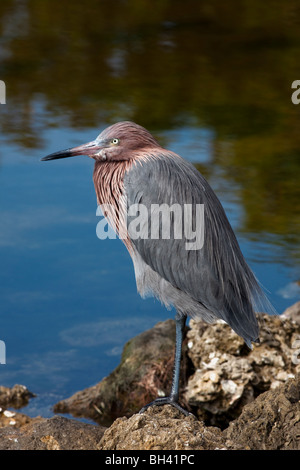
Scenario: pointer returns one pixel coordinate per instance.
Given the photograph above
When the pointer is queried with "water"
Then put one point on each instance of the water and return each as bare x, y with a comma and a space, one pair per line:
218, 94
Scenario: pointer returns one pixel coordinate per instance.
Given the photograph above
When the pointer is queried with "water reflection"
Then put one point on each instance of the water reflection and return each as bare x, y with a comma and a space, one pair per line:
225, 70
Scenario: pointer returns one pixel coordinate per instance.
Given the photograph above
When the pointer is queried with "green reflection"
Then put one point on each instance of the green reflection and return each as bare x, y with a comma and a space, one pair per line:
164, 63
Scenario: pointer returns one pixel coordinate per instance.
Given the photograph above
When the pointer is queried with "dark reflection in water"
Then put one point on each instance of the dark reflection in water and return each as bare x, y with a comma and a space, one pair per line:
163, 64
211, 80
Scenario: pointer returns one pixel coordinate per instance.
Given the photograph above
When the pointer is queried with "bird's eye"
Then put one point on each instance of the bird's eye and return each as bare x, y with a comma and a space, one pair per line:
114, 141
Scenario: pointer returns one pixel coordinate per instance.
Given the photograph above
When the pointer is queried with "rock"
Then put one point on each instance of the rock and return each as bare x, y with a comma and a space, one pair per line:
15, 397
252, 395
229, 375
221, 374
271, 422
293, 312
55, 433
13, 419
161, 428
144, 373
20, 432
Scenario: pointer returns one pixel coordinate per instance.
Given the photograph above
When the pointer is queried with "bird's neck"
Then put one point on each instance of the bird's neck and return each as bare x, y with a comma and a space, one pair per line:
109, 186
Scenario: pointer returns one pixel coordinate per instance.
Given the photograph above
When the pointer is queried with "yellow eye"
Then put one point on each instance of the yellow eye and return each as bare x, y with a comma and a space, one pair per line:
114, 141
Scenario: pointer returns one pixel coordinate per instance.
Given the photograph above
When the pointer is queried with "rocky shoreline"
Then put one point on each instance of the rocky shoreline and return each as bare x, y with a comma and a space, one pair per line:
239, 398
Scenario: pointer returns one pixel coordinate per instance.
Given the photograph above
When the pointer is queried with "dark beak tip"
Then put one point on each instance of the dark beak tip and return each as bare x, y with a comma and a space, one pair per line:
56, 155
85, 149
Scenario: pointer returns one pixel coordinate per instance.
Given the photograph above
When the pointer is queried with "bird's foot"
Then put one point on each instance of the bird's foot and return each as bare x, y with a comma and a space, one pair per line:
165, 401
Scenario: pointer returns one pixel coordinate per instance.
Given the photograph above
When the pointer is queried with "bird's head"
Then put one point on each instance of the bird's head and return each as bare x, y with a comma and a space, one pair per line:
116, 143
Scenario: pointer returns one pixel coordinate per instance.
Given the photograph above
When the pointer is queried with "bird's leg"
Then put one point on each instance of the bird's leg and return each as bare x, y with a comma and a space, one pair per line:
174, 395
180, 324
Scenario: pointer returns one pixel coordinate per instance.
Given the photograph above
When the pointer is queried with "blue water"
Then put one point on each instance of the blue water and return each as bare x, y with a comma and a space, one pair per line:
68, 300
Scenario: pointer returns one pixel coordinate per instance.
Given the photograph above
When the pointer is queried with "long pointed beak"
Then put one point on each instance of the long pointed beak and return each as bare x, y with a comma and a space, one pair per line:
89, 149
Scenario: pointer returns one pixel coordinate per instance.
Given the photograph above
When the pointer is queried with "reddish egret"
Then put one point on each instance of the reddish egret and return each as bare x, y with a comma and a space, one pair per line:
211, 282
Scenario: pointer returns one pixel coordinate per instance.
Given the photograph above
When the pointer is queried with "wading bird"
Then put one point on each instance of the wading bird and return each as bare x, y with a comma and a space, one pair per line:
212, 282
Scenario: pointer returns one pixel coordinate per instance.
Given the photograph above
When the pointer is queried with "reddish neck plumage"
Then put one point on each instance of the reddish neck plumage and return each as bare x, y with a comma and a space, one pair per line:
108, 181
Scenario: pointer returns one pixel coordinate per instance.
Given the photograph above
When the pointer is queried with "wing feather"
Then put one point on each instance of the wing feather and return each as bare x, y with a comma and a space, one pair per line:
217, 275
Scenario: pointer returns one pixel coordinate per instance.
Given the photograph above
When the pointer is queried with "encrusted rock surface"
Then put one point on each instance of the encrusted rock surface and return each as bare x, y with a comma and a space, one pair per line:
57, 433
241, 398
220, 373
293, 312
229, 375
161, 428
271, 422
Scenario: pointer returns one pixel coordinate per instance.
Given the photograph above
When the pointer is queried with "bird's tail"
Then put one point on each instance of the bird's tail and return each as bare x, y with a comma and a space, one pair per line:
243, 300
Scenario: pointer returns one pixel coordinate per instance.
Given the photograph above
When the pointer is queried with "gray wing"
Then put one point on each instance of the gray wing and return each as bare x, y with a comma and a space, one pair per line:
216, 275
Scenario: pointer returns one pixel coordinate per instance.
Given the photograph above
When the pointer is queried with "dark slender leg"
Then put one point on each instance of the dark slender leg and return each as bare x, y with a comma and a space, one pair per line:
174, 395
180, 324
